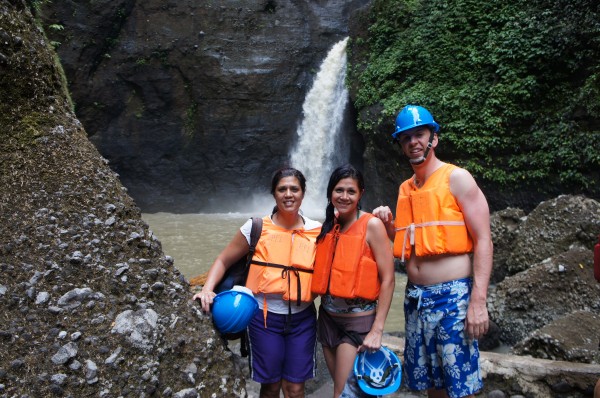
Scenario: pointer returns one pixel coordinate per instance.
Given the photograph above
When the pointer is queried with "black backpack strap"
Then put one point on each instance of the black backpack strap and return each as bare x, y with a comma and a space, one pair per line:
254, 236
255, 232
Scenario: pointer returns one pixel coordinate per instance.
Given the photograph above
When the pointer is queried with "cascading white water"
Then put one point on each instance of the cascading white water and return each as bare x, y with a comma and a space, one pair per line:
320, 147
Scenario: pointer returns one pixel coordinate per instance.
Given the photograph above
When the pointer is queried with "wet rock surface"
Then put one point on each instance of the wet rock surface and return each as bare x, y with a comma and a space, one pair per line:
548, 259
554, 226
548, 302
505, 226
574, 337
545, 292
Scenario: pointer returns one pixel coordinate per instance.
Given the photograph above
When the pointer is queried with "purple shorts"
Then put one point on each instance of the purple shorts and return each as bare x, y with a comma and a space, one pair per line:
274, 355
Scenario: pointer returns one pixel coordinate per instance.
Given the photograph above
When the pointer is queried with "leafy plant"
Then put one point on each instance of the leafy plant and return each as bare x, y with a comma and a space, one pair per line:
36, 5
514, 84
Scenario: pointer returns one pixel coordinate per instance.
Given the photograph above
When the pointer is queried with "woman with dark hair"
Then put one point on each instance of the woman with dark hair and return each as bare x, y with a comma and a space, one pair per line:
283, 334
354, 274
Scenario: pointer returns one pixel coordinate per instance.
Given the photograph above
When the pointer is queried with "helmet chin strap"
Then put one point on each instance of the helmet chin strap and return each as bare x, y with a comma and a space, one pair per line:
422, 158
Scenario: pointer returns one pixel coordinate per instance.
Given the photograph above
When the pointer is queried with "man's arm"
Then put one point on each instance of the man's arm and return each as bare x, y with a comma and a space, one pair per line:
477, 219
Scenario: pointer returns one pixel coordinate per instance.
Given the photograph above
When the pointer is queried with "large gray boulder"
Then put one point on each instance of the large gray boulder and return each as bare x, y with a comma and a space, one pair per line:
549, 290
573, 338
505, 226
548, 310
553, 227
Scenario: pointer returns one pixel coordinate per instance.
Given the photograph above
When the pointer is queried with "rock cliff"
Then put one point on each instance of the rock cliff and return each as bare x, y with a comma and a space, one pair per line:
193, 103
90, 305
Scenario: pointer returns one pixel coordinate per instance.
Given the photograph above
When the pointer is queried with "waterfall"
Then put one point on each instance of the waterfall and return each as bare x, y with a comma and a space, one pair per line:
320, 147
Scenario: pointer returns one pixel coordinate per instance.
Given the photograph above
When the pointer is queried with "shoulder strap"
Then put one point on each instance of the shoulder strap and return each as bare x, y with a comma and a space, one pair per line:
254, 237
255, 232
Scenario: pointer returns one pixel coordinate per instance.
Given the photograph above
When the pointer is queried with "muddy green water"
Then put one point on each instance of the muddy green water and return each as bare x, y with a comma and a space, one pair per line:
194, 240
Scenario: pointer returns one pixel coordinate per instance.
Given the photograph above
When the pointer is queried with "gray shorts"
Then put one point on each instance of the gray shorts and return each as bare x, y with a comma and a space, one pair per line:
330, 326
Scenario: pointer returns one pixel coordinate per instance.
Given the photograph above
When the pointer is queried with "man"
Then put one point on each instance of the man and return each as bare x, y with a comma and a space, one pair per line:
442, 232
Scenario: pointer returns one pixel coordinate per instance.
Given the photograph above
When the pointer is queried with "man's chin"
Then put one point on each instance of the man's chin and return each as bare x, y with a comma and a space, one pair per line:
418, 160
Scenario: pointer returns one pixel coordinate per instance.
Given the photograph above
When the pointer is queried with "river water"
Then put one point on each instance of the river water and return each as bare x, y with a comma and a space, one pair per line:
194, 241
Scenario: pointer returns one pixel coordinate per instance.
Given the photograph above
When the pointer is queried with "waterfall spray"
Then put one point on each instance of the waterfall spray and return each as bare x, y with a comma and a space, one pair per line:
320, 148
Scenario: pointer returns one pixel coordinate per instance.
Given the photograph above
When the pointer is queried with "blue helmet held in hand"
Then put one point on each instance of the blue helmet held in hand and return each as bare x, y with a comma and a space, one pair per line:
233, 309
378, 373
412, 116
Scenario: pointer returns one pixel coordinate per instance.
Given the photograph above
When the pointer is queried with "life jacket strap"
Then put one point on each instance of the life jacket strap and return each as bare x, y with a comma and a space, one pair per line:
285, 273
411, 228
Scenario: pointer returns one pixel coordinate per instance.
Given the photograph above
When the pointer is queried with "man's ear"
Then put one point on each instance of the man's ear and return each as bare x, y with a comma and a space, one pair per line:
435, 140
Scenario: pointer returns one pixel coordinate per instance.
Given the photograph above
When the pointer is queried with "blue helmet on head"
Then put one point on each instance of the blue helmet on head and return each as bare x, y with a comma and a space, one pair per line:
233, 309
378, 373
412, 116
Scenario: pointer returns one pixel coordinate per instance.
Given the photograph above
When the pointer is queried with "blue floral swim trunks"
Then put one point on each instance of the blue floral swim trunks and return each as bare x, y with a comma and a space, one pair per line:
438, 353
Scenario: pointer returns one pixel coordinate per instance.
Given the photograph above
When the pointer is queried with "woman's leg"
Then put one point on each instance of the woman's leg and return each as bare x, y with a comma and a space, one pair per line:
329, 355
344, 362
270, 390
292, 390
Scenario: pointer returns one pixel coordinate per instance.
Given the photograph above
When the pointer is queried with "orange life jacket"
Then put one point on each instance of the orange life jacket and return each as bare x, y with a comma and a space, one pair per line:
429, 218
344, 264
283, 262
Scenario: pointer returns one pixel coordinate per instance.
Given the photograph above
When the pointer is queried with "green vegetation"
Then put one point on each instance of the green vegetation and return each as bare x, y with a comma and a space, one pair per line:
36, 5
33, 126
515, 84
190, 124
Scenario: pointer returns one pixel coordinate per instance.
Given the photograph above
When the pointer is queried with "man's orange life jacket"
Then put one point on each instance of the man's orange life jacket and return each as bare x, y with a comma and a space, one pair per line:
283, 262
344, 264
429, 218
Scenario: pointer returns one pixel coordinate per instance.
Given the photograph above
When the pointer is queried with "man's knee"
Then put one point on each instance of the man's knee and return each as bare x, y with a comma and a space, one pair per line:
435, 393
